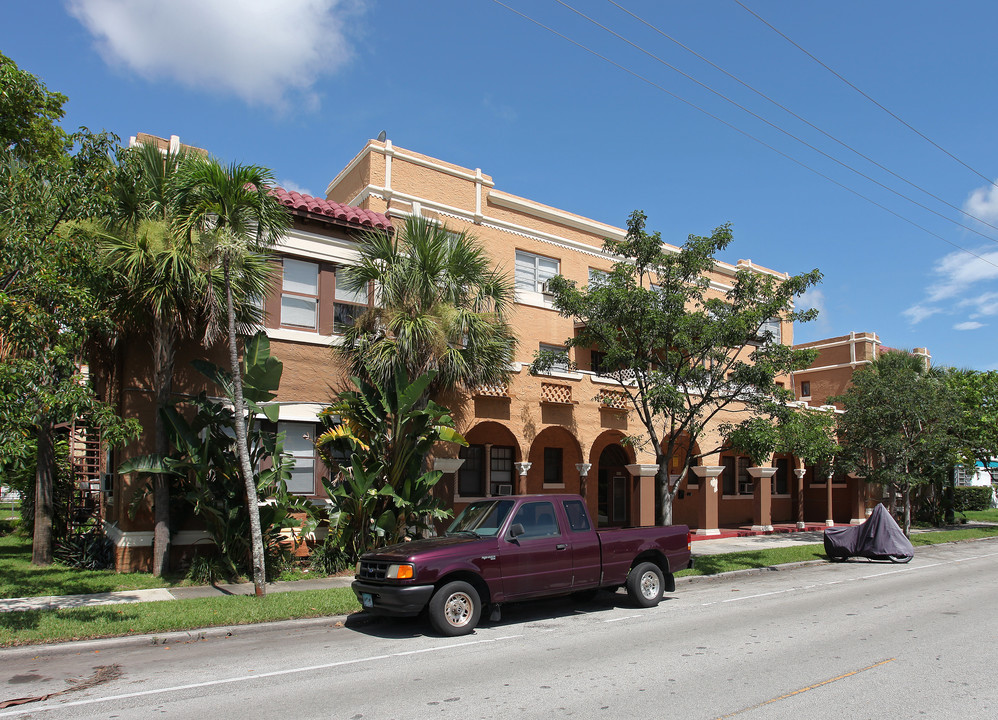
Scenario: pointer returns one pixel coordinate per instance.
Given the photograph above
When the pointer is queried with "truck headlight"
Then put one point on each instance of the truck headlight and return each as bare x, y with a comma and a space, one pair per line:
400, 572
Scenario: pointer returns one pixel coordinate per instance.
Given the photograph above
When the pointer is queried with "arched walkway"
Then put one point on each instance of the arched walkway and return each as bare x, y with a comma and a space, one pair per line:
488, 467
553, 456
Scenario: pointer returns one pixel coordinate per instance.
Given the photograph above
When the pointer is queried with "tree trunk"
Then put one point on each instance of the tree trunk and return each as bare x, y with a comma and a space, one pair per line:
41, 545
907, 511
164, 354
256, 534
666, 494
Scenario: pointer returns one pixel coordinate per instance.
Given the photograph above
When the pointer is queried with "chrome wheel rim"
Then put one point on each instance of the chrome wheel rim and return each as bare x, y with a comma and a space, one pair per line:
458, 609
649, 585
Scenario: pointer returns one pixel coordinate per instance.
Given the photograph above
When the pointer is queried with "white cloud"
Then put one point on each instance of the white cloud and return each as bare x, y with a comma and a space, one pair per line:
918, 313
969, 325
983, 203
259, 50
958, 275
291, 186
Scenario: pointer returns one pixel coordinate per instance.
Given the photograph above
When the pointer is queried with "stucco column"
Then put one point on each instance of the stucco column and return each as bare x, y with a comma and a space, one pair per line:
762, 498
643, 495
857, 499
521, 483
828, 501
707, 505
583, 469
800, 472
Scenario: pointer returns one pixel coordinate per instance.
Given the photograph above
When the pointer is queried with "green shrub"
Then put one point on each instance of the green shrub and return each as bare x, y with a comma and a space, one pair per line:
972, 498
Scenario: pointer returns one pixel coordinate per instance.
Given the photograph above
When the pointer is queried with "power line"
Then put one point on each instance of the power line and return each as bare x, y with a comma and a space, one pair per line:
686, 102
893, 115
789, 134
797, 116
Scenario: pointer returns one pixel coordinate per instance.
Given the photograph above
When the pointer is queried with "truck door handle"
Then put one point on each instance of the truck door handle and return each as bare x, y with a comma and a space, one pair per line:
560, 546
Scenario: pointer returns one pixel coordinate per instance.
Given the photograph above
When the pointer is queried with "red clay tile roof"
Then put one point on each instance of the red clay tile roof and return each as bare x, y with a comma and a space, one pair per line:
345, 213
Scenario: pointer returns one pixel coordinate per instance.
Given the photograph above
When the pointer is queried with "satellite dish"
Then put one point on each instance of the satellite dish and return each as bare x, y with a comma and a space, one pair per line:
382, 135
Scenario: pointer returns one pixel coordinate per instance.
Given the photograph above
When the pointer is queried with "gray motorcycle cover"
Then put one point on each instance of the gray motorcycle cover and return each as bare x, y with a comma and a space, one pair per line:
879, 538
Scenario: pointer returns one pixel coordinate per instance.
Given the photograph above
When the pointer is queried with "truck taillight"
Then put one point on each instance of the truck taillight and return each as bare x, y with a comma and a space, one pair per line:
689, 540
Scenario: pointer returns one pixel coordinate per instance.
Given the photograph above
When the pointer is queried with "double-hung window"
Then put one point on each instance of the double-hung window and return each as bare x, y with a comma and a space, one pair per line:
533, 271
559, 363
348, 304
300, 294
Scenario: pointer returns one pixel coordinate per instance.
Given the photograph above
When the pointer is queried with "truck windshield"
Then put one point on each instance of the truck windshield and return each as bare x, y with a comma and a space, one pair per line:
482, 518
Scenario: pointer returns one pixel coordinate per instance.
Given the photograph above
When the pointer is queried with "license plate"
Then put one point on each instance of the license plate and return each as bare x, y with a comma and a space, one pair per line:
367, 600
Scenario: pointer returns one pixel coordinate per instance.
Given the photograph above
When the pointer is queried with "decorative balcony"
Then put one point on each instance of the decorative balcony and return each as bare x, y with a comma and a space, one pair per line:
613, 400
556, 393
493, 391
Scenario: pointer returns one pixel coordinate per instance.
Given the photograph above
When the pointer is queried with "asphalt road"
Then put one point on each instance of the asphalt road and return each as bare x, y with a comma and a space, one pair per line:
853, 640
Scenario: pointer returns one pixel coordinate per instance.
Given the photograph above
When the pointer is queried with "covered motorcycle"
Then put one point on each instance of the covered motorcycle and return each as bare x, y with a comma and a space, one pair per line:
879, 538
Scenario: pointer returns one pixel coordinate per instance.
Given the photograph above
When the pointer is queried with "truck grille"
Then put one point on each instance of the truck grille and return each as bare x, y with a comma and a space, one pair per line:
372, 570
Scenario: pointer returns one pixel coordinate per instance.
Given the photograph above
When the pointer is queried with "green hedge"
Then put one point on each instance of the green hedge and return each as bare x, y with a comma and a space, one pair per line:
972, 498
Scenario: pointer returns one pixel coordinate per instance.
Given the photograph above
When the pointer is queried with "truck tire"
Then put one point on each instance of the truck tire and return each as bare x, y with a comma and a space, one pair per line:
645, 583
455, 609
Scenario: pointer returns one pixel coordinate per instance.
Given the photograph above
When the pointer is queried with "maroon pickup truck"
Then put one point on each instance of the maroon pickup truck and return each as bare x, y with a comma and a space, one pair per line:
517, 548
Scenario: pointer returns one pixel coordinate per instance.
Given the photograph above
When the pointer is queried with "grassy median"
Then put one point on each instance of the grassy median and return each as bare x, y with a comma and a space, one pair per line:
102, 621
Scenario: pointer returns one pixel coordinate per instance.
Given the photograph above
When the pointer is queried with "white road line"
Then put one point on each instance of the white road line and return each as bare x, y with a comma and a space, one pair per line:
626, 617
23, 709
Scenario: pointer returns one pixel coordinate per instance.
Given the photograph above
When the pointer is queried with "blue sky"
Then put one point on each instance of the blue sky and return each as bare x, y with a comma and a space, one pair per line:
300, 86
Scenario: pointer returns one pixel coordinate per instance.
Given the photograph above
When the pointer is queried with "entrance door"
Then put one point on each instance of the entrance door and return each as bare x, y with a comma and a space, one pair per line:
612, 495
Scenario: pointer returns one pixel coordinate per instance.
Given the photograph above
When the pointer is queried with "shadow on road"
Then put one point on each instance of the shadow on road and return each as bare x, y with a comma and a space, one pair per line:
514, 615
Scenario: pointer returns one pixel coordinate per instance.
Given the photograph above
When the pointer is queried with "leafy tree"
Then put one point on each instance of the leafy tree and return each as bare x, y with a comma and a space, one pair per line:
50, 281
684, 355
977, 398
236, 220
29, 116
206, 466
898, 423
442, 307
378, 436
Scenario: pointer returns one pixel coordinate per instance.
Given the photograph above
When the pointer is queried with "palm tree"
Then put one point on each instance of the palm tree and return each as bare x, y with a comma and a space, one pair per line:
161, 282
230, 210
440, 306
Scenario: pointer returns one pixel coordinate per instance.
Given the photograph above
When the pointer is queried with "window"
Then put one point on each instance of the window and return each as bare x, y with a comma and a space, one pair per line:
597, 277
532, 271
781, 480
315, 297
770, 332
538, 520
561, 362
735, 478
471, 475
300, 294
348, 304
578, 518
475, 479
597, 362
298, 437
805, 389
501, 477
552, 466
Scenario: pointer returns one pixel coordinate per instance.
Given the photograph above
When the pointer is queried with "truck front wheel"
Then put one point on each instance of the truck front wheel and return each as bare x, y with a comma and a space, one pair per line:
455, 609
645, 584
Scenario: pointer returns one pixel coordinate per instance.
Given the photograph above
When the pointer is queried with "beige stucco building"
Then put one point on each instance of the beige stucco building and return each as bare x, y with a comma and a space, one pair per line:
562, 431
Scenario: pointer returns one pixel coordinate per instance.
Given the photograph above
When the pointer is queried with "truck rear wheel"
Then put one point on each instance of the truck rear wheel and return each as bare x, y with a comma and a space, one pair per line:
455, 609
645, 584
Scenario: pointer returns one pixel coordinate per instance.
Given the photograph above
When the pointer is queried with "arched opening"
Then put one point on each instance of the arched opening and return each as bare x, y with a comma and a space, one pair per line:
489, 458
554, 455
612, 501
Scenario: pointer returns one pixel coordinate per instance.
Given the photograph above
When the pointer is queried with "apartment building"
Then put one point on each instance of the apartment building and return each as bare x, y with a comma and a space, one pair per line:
561, 431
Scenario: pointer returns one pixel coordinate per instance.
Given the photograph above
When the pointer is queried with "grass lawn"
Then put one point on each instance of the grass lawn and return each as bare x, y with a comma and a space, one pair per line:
981, 515
40, 626
19, 578
726, 562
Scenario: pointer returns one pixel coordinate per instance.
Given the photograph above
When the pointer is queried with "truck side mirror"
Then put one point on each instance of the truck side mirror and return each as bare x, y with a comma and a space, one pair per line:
516, 530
